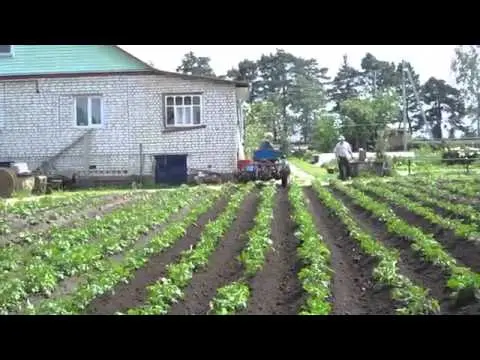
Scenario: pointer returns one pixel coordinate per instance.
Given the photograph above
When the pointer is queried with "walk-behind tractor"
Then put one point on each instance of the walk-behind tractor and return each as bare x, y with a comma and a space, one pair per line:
267, 164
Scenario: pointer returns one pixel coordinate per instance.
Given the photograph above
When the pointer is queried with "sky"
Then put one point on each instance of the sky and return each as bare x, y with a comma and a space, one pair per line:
427, 60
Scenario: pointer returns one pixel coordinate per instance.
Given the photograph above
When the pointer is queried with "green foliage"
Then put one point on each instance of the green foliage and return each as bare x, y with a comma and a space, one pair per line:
64, 251
442, 99
169, 290
230, 298
316, 274
292, 84
259, 236
365, 98
325, 132
414, 300
260, 118
195, 65
466, 66
425, 244
111, 271
365, 117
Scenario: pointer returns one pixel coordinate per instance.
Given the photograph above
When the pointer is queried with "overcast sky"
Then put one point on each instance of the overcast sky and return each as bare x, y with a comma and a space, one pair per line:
427, 60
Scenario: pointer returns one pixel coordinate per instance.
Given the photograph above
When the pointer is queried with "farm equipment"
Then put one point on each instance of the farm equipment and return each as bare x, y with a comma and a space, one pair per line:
267, 164
16, 177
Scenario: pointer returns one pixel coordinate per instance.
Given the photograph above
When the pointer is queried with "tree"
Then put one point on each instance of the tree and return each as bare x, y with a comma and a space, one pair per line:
308, 98
442, 99
282, 78
325, 132
378, 75
363, 118
345, 85
260, 118
193, 65
247, 71
466, 66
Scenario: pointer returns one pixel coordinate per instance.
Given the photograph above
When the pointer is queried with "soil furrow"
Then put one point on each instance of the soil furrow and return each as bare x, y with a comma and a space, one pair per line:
276, 289
411, 264
223, 267
353, 287
465, 251
135, 293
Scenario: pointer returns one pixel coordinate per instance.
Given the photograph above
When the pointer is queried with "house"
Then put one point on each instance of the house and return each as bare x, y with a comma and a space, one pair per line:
99, 112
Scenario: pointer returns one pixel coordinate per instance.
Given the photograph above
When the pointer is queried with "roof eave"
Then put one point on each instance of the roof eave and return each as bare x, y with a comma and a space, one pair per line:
186, 76
200, 77
75, 74
133, 72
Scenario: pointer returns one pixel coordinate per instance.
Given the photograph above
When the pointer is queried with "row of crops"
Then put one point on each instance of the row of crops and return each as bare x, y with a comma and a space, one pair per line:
403, 246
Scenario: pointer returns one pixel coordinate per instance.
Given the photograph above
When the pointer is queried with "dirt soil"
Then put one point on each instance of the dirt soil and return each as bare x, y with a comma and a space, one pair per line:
427, 275
466, 252
223, 267
135, 293
353, 287
276, 289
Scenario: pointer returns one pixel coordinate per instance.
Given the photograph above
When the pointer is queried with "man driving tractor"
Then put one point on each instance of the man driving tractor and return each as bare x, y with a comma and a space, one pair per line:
268, 163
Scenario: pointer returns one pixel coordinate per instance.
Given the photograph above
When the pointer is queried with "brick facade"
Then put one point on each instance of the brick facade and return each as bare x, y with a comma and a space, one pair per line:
37, 121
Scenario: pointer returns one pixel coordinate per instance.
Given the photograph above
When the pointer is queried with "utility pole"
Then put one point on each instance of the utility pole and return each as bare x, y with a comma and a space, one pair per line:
478, 115
405, 119
417, 97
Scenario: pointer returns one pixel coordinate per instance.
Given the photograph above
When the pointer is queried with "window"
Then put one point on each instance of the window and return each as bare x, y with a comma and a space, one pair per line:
6, 50
88, 111
183, 110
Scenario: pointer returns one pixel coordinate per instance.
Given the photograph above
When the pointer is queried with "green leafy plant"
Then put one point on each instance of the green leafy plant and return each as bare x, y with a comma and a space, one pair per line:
413, 299
431, 195
230, 298
259, 236
234, 296
74, 251
467, 231
170, 289
461, 277
316, 275
112, 271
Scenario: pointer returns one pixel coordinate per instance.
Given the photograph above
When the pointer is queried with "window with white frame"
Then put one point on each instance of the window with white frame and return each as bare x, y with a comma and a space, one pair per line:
6, 50
88, 111
183, 110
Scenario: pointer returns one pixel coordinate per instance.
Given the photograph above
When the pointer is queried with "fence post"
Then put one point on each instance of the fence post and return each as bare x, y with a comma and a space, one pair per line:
409, 162
141, 164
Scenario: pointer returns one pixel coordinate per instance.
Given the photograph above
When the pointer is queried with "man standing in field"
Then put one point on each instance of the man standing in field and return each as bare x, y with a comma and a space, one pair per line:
343, 152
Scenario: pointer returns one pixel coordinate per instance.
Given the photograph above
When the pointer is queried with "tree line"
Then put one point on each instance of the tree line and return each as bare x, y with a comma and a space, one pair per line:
294, 95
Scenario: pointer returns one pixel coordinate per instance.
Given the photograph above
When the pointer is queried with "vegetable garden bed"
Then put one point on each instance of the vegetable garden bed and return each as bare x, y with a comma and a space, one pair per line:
406, 246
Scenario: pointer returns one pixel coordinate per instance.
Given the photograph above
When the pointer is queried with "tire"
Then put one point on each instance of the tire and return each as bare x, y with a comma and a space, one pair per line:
284, 180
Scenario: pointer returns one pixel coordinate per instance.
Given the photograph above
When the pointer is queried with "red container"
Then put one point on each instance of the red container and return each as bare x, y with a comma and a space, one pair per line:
242, 163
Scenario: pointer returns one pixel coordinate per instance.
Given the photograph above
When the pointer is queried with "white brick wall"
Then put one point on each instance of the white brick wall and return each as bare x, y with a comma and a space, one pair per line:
35, 125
